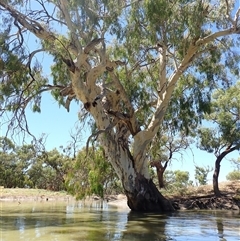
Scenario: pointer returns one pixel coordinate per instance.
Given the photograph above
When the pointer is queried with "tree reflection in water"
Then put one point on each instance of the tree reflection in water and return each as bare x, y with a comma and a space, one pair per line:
219, 223
75, 222
145, 226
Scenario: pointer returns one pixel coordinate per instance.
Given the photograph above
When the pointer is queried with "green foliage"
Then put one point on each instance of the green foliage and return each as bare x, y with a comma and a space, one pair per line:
91, 174
233, 176
209, 140
21, 81
25, 166
188, 106
14, 162
201, 174
49, 171
226, 108
176, 180
224, 115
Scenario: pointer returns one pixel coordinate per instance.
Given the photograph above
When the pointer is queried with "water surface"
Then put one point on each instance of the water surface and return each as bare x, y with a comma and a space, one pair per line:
50, 221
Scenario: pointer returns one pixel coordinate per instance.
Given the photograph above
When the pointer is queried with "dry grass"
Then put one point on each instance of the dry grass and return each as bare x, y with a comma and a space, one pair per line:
227, 187
31, 194
224, 187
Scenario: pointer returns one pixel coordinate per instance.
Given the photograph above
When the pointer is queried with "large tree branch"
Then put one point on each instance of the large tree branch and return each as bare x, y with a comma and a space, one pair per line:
228, 150
162, 70
143, 137
42, 33
133, 120
30, 24
48, 15
63, 6
37, 29
211, 37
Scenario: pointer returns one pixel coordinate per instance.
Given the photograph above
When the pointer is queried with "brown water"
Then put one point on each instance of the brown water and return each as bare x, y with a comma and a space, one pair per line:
48, 221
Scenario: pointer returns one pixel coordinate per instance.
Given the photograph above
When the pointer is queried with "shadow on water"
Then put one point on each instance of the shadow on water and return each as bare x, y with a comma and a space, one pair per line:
146, 226
76, 221
220, 229
187, 225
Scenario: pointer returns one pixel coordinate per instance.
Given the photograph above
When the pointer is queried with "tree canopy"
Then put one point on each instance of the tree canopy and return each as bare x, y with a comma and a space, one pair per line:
224, 135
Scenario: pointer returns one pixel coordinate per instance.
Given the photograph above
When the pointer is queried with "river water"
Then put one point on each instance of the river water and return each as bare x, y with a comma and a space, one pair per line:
50, 221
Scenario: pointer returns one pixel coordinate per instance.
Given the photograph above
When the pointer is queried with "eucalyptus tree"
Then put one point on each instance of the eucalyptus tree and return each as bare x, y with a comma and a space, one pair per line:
201, 174
7, 159
233, 175
177, 180
123, 61
14, 163
224, 136
49, 170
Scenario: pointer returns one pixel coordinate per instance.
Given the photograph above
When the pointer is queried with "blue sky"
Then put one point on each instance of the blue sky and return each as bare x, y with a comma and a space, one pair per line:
57, 124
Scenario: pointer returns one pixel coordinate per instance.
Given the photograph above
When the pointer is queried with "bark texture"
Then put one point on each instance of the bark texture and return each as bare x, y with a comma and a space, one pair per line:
160, 171
215, 177
146, 197
217, 168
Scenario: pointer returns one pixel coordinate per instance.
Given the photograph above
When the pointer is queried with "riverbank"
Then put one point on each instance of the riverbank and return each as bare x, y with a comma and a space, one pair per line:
201, 197
29, 194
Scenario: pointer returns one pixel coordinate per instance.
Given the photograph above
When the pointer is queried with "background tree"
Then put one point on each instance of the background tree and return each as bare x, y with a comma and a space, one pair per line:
177, 181
8, 165
224, 137
14, 163
122, 60
92, 174
235, 174
201, 174
49, 170
24, 166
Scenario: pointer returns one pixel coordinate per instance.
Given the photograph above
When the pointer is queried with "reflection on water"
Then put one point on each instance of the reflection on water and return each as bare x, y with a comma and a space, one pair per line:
50, 221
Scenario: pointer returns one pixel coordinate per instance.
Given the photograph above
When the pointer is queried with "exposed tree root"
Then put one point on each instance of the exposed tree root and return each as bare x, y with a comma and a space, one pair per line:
209, 202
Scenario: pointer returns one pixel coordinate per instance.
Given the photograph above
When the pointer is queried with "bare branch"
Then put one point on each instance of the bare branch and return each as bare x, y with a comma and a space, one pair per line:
228, 13
216, 35
111, 126
47, 13
28, 23
236, 18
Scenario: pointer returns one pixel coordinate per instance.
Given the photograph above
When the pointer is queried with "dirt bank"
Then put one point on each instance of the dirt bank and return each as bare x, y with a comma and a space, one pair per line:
28, 194
202, 197
194, 198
